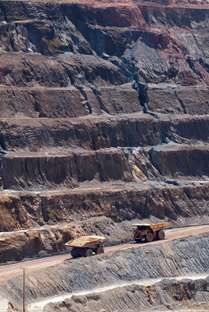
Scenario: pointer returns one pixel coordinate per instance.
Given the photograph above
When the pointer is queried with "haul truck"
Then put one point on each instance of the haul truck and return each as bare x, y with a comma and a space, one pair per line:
149, 232
86, 246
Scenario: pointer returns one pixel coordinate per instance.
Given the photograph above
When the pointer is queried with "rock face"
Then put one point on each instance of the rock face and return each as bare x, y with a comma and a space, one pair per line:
104, 118
165, 295
117, 280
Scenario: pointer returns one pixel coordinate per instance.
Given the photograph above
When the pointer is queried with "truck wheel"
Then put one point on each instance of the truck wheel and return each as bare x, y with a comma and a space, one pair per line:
100, 250
138, 240
149, 237
160, 235
88, 253
76, 253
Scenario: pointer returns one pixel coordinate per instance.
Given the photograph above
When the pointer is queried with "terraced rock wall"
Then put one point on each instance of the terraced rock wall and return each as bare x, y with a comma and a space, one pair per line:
104, 118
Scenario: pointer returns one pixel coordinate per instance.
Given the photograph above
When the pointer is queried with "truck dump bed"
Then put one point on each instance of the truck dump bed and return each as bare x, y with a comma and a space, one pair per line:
86, 241
153, 226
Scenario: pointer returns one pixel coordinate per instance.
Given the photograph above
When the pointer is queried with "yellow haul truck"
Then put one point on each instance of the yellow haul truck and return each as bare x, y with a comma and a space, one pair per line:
86, 246
149, 232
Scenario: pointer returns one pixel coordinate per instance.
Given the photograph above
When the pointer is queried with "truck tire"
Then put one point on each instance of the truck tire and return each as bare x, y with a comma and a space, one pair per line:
88, 252
160, 235
100, 250
76, 253
149, 237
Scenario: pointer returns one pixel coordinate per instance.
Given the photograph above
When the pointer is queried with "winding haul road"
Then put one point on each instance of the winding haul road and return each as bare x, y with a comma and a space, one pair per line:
8, 271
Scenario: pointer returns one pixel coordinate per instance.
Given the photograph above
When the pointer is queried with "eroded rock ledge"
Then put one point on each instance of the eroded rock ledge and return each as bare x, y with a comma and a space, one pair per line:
104, 117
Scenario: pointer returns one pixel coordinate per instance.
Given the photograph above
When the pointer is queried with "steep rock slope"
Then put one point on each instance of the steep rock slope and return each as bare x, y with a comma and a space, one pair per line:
104, 118
166, 295
85, 284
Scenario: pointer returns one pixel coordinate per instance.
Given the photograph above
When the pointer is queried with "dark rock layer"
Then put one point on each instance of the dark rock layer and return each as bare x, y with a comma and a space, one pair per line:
104, 114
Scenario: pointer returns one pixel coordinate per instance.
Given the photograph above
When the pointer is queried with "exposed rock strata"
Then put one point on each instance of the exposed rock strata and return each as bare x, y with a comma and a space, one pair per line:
171, 259
104, 104
166, 295
104, 120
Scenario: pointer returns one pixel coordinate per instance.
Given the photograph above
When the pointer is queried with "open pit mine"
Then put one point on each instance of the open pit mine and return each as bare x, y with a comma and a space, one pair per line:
104, 123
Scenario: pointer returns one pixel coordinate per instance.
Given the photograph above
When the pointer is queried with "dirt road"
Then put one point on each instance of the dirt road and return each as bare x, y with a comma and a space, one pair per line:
11, 270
